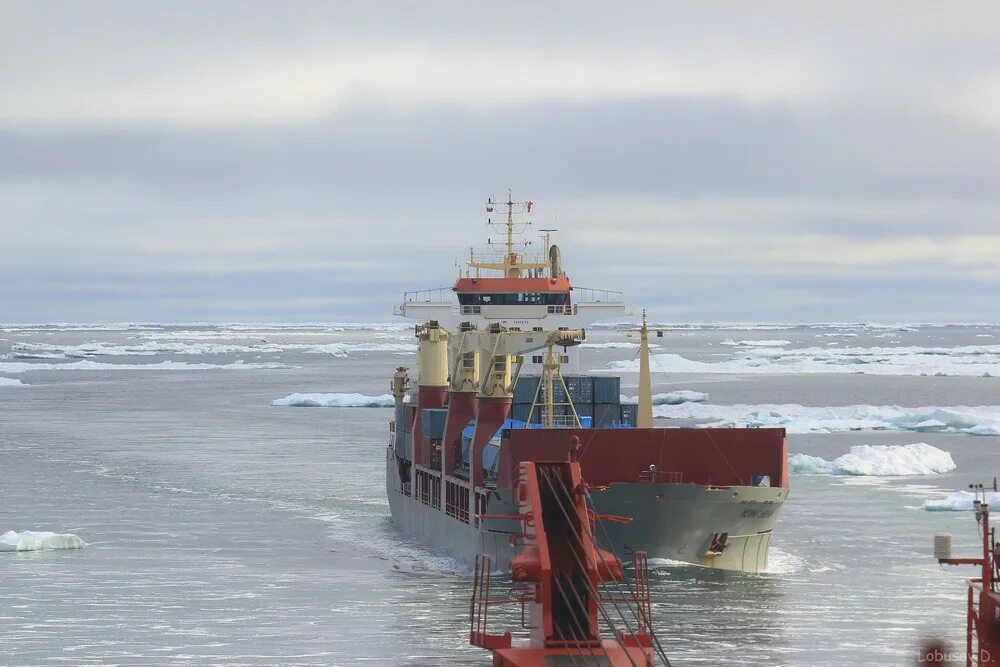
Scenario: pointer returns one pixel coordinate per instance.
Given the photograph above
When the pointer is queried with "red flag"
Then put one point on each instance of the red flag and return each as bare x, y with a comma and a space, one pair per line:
529, 206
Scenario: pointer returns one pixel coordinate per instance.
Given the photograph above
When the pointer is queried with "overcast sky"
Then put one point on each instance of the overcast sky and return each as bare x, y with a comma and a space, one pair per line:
232, 161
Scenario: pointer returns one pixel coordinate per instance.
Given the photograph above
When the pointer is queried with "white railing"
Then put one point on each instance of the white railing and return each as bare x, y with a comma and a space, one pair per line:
439, 296
594, 295
436, 295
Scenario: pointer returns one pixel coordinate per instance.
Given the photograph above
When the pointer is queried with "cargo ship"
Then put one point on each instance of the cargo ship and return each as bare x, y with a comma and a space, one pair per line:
490, 393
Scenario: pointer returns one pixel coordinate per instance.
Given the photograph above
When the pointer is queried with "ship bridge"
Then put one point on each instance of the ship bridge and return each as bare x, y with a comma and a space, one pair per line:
512, 305
518, 289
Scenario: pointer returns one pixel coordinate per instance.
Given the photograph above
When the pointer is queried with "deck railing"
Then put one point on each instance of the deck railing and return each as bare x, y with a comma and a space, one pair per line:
594, 295
435, 295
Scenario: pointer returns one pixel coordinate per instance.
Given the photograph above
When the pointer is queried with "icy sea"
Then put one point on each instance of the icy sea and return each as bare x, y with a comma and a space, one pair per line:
168, 497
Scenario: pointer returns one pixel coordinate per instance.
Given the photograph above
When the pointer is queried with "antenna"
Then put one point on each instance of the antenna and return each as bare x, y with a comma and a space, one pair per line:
547, 235
509, 255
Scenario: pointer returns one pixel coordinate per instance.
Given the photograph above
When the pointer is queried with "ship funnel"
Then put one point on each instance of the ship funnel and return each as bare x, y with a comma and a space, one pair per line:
555, 262
432, 392
462, 399
432, 356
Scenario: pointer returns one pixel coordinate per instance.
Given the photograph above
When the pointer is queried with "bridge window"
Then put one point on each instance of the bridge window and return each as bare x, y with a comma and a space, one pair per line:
514, 299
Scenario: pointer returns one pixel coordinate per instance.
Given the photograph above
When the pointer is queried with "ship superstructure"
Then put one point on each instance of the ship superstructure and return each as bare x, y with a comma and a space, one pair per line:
459, 434
515, 282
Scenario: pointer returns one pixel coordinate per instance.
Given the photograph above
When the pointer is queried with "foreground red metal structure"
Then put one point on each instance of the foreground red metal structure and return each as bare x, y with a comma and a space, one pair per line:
560, 577
982, 643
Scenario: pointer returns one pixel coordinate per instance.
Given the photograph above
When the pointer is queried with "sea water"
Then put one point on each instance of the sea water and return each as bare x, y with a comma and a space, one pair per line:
215, 519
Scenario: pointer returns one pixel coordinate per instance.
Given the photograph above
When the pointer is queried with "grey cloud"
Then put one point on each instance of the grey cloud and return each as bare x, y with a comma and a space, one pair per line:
333, 216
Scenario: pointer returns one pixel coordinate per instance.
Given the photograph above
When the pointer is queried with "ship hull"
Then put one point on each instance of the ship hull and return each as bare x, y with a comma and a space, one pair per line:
673, 521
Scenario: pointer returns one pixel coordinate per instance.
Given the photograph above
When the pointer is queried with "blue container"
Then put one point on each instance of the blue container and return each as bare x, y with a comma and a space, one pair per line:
400, 417
432, 422
607, 390
466, 448
520, 412
491, 457
628, 414
581, 388
605, 414
524, 390
404, 445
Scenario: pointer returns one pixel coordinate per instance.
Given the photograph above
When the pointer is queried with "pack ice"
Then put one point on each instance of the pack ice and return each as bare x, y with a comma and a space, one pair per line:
878, 460
959, 501
335, 401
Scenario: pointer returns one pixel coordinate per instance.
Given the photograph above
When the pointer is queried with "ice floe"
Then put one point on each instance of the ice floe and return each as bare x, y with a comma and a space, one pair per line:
11, 382
878, 460
964, 360
335, 401
672, 397
234, 331
959, 501
30, 540
150, 348
791, 326
89, 365
981, 420
755, 343
345, 349
612, 345
98, 349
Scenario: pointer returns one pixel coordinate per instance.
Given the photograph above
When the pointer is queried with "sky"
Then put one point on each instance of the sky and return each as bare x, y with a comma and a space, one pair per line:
299, 161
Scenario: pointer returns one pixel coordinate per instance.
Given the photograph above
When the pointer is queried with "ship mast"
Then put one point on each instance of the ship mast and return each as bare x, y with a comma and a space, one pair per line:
644, 419
551, 374
512, 270
513, 264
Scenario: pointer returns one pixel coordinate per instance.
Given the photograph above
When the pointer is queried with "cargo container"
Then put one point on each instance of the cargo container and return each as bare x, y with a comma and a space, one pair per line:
404, 445
520, 412
524, 390
581, 388
607, 390
432, 422
628, 414
606, 413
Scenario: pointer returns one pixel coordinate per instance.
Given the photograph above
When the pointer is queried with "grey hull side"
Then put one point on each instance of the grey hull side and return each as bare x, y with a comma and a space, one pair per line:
674, 521
679, 521
436, 529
